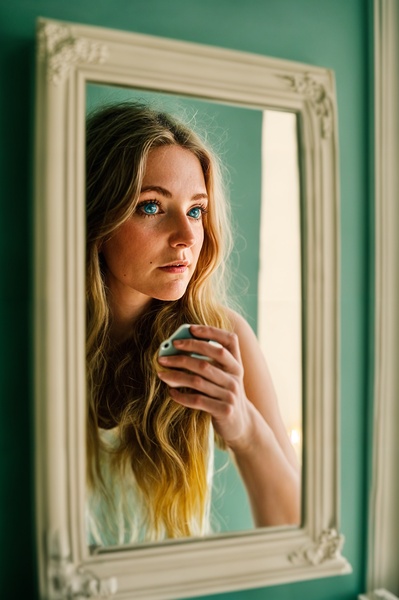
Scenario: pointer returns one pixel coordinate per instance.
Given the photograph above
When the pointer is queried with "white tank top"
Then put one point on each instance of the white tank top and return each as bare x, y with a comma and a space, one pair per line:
121, 522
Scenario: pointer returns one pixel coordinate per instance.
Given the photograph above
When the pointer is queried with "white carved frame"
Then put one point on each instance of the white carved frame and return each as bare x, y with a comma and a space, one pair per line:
69, 56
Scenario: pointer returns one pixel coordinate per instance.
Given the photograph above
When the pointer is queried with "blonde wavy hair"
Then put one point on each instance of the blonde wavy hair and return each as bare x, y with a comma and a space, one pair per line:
164, 444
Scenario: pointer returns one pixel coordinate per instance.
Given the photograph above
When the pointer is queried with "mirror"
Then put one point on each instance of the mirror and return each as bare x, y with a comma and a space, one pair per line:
246, 137
71, 60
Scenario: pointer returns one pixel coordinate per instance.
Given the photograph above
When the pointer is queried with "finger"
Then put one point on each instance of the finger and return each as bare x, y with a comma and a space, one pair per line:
216, 408
219, 354
213, 371
183, 379
228, 339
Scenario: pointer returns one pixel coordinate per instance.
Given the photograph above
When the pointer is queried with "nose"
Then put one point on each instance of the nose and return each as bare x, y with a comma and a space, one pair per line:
182, 233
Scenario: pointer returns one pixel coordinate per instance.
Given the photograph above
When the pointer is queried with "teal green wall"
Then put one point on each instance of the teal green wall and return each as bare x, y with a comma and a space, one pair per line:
329, 33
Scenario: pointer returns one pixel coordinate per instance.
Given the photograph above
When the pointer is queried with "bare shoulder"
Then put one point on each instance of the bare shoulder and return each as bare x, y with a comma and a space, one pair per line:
244, 332
256, 371
257, 379
258, 382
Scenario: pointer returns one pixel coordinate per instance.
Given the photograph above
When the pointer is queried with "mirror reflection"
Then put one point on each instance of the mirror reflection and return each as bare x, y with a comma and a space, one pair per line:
280, 281
207, 439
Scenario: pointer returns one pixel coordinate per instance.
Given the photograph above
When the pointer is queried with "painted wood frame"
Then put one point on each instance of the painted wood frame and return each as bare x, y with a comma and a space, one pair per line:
68, 57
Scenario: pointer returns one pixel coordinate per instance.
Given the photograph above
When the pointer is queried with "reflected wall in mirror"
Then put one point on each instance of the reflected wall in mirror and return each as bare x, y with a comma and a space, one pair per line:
266, 257
280, 306
71, 59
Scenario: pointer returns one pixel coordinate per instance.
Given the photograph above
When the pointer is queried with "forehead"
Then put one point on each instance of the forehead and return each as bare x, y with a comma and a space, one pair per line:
173, 163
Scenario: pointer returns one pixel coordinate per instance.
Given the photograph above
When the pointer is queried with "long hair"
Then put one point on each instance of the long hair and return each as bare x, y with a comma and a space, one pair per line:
164, 444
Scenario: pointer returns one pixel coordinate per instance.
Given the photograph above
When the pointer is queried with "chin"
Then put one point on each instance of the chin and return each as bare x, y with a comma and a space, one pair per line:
171, 295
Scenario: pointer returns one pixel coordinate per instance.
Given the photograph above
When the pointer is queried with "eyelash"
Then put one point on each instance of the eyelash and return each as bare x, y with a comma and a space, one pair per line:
141, 205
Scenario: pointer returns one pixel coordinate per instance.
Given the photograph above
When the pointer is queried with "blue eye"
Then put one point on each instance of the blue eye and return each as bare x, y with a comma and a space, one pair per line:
195, 212
149, 208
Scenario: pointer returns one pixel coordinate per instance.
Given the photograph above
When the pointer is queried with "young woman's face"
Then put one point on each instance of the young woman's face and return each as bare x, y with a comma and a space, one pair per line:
154, 253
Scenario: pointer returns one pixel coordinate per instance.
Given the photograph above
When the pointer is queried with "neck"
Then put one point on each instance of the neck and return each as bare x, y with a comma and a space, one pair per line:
125, 310
126, 306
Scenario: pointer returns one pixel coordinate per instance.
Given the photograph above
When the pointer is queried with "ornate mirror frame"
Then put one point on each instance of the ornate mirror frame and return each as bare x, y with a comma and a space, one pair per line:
69, 56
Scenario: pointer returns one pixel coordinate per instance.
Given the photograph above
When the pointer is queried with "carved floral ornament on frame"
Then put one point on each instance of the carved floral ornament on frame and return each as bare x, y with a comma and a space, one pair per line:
69, 55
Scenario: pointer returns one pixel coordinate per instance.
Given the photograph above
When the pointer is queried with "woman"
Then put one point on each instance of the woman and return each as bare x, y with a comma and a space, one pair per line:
157, 241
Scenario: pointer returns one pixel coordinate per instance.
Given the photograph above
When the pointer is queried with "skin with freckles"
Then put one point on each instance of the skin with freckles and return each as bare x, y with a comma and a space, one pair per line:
154, 253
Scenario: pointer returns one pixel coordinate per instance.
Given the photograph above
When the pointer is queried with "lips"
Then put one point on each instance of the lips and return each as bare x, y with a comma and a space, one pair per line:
176, 263
178, 266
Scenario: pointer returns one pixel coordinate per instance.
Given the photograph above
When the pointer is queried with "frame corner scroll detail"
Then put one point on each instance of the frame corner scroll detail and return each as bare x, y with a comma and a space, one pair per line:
66, 580
60, 49
328, 546
318, 96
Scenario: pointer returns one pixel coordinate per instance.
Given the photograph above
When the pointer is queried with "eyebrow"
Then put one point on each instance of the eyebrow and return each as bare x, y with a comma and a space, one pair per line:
164, 192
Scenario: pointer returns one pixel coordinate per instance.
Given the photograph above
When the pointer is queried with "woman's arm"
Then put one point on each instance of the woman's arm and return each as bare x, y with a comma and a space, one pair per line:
238, 392
268, 464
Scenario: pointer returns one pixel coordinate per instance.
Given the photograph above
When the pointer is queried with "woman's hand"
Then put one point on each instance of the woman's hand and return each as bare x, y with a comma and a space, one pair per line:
237, 391
217, 386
